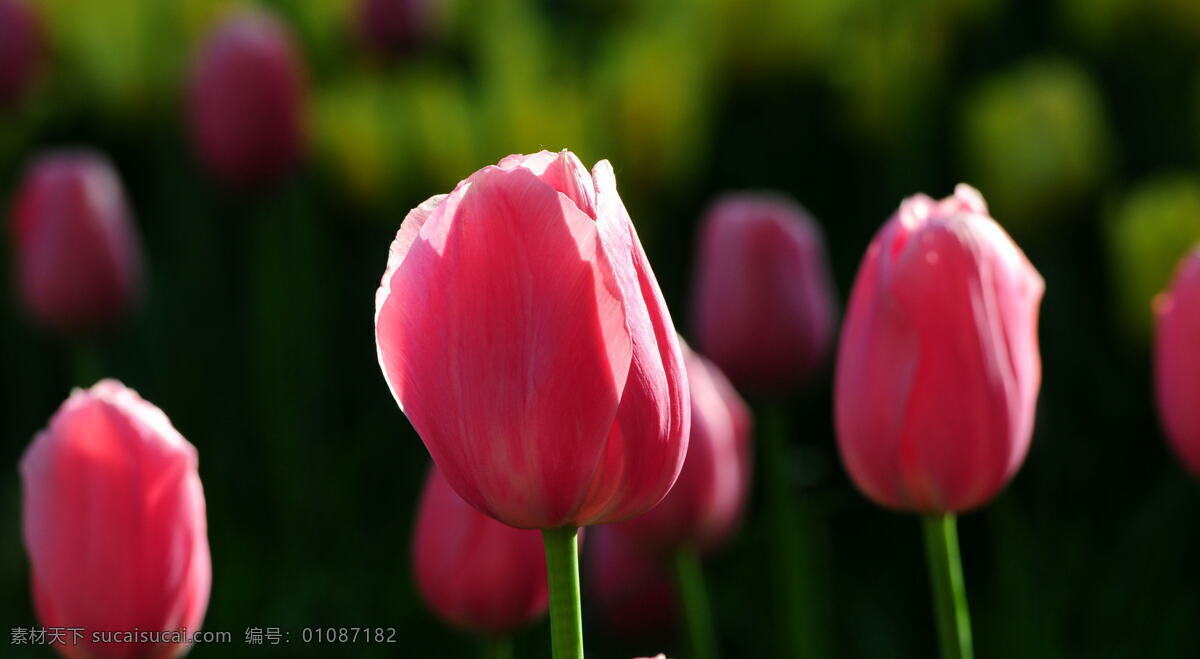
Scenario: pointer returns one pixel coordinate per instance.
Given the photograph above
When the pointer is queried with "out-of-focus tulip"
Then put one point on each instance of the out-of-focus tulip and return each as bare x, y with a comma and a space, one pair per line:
114, 523
473, 571
78, 259
246, 98
938, 368
1177, 361
20, 48
392, 26
521, 330
763, 301
633, 593
706, 503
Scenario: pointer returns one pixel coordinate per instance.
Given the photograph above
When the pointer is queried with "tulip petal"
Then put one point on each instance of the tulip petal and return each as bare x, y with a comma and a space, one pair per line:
647, 445
876, 361
410, 228
507, 284
562, 171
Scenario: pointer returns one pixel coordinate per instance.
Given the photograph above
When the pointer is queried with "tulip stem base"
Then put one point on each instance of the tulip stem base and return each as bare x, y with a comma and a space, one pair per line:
696, 611
949, 592
562, 577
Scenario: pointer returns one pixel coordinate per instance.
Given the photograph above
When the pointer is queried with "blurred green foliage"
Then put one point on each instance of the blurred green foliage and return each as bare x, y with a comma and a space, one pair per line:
1153, 226
1036, 139
256, 332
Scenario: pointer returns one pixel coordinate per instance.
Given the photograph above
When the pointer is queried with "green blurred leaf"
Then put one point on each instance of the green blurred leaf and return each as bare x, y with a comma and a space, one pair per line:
1036, 142
1153, 226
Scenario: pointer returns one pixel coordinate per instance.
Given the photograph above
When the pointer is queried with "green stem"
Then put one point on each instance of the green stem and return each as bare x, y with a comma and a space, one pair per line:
562, 576
796, 534
949, 593
696, 612
496, 647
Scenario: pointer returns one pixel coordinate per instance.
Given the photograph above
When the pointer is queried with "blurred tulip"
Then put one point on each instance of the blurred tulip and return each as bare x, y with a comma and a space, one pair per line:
473, 571
246, 97
634, 594
1177, 361
114, 523
20, 48
392, 26
521, 330
763, 301
706, 503
938, 368
78, 259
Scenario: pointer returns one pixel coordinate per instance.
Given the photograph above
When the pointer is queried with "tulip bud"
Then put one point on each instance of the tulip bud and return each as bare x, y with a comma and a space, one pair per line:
705, 505
633, 593
763, 300
78, 261
114, 523
522, 332
938, 368
473, 571
20, 48
1177, 361
246, 97
391, 26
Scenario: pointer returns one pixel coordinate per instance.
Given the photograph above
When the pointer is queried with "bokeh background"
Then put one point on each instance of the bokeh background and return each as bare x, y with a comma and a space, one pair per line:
1078, 120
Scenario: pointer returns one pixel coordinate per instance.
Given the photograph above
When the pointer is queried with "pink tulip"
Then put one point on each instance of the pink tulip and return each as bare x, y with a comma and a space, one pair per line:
521, 330
633, 591
938, 368
473, 571
1177, 361
114, 523
391, 26
763, 300
246, 97
706, 503
78, 260
20, 49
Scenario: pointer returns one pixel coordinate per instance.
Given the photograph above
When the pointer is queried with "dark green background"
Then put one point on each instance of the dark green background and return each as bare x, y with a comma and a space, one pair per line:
1079, 121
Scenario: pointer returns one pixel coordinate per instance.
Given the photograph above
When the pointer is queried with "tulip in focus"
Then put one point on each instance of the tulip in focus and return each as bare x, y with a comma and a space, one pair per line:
706, 503
77, 256
20, 49
632, 590
522, 332
246, 99
763, 302
938, 368
474, 572
1177, 361
114, 523
392, 26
